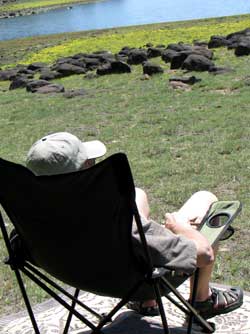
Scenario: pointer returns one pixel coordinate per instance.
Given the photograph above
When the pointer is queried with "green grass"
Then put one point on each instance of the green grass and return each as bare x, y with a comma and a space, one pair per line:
177, 141
23, 5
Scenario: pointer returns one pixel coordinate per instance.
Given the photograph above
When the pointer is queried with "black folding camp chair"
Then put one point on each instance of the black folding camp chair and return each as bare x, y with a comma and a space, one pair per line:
76, 228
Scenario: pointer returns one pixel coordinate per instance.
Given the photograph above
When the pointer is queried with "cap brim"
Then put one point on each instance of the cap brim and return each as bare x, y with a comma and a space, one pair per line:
94, 149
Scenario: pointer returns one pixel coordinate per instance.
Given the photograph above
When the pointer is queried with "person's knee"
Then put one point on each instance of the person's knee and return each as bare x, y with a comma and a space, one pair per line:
205, 257
205, 196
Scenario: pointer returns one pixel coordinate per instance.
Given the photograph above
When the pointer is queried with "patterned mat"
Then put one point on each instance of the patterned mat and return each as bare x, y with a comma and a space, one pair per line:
51, 318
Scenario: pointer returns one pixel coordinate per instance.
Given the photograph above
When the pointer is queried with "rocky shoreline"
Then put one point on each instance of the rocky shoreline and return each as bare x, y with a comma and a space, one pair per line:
29, 11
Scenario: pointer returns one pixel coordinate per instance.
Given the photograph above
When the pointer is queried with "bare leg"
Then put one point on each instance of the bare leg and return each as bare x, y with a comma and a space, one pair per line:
143, 208
194, 210
142, 202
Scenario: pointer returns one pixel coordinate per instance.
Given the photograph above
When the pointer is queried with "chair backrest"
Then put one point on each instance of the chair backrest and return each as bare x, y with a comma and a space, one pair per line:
76, 226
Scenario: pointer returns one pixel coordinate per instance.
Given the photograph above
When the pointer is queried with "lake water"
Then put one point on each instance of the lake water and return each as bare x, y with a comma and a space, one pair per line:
117, 13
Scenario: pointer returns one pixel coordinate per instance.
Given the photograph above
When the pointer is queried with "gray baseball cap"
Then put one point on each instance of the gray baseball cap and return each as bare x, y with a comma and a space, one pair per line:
60, 153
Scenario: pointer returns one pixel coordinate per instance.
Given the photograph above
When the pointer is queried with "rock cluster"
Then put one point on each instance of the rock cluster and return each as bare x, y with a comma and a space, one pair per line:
197, 57
239, 41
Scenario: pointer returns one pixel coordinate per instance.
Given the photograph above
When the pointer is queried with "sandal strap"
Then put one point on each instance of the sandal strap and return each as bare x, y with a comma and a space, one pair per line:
223, 299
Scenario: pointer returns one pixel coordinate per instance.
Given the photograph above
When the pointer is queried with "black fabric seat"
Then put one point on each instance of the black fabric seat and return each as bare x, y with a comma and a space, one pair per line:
77, 228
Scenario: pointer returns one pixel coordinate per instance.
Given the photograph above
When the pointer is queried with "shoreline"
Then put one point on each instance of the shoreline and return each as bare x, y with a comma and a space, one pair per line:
12, 13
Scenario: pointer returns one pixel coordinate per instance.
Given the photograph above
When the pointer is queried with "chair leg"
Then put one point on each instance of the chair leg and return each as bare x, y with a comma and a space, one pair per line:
26, 300
66, 328
191, 317
118, 306
160, 305
189, 308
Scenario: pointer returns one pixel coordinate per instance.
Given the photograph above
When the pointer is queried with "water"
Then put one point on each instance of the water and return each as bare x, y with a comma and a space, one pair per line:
117, 13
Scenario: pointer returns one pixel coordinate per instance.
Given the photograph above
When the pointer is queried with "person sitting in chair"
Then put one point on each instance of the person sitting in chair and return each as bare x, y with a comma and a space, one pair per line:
179, 240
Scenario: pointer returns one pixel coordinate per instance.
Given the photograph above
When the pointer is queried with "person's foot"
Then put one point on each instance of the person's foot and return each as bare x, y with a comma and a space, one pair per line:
220, 302
148, 309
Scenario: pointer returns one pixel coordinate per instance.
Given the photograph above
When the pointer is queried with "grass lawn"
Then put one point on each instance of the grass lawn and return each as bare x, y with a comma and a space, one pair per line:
177, 141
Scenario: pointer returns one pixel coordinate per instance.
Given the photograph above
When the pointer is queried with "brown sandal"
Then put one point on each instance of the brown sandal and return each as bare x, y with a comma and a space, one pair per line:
220, 302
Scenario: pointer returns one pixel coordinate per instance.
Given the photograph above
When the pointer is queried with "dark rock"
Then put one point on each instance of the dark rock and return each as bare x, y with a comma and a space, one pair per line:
49, 75
79, 55
103, 70
69, 60
235, 43
203, 51
125, 51
168, 54
77, 62
121, 57
197, 63
238, 37
154, 52
99, 56
8, 74
137, 56
238, 34
63, 60
19, 82
26, 71
36, 66
120, 67
69, 94
51, 88
186, 80
33, 85
219, 70
243, 49
179, 47
104, 56
114, 67
150, 68
178, 59
92, 63
217, 42
68, 69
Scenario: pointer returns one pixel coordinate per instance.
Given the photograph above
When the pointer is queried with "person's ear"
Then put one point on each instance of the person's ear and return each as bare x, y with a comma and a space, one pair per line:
88, 163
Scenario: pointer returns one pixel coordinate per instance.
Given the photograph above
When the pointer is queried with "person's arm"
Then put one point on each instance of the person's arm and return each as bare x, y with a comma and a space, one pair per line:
205, 254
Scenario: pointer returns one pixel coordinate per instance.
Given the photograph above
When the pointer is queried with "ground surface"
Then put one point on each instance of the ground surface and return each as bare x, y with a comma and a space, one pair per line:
52, 317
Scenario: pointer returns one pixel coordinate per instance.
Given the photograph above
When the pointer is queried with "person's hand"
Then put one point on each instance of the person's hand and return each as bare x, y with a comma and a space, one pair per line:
205, 254
175, 225
193, 221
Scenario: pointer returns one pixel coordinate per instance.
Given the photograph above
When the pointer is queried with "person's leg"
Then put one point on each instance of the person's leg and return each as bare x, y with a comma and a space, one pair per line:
142, 202
143, 208
193, 211
220, 302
